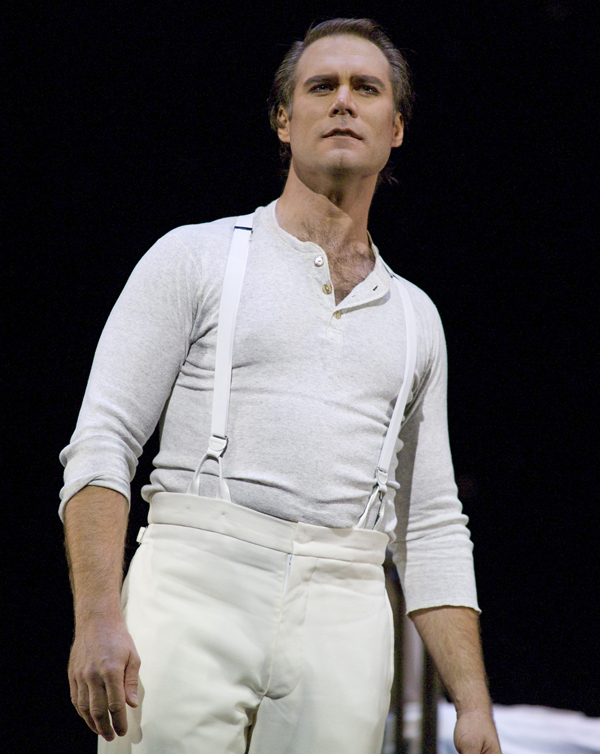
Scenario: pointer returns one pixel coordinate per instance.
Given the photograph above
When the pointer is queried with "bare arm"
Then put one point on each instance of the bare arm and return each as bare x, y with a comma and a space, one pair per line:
451, 634
103, 667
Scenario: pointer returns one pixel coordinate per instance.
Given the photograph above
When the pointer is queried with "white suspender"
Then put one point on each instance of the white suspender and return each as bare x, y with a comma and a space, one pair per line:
387, 451
230, 298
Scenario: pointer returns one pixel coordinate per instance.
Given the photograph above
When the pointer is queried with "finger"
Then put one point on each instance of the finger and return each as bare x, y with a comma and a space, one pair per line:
74, 692
83, 705
99, 710
74, 689
131, 680
115, 694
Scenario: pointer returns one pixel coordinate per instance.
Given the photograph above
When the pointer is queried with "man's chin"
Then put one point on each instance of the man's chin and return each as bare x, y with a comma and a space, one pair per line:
348, 170
342, 161
339, 168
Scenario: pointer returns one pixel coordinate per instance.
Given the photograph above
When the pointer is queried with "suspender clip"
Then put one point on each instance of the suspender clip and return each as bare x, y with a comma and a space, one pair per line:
381, 476
216, 448
218, 444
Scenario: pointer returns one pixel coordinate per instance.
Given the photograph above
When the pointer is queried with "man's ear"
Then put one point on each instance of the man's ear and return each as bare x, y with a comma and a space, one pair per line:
398, 131
283, 125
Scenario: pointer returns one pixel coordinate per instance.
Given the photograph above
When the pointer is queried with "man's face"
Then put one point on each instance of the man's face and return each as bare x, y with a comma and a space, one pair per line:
343, 117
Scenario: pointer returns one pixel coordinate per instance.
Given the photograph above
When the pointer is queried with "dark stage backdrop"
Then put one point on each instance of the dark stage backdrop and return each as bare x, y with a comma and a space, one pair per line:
128, 119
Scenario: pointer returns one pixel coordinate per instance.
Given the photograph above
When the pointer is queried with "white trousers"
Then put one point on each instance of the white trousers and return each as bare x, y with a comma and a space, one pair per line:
256, 634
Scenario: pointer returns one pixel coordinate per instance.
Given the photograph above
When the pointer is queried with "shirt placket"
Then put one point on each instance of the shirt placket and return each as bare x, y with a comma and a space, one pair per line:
368, 290
334, 313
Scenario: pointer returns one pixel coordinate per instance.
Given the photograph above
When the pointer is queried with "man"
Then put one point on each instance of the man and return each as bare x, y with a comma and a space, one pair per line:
248, 643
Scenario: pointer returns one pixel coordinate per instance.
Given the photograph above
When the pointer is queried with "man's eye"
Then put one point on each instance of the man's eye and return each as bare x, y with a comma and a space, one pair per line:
368, 88
320, 88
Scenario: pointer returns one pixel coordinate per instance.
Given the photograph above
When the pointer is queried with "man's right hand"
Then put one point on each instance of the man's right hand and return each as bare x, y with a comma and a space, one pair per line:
104, 664
103, 675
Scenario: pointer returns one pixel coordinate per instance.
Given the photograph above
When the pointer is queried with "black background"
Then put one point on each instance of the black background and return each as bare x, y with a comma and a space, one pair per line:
128, 119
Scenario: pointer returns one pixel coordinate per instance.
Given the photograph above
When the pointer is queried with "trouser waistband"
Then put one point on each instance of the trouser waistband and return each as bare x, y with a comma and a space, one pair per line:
223, 517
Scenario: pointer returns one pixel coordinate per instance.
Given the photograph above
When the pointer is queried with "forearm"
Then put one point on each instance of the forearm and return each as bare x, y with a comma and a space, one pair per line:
95, 528
451, 635
104, 664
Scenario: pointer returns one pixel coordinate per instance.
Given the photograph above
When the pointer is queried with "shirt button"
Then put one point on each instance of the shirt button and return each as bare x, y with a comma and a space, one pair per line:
337, 315
327, 288
319, 261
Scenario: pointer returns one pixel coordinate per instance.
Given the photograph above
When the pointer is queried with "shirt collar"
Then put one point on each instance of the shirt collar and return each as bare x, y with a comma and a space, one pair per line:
268, 219
379, 275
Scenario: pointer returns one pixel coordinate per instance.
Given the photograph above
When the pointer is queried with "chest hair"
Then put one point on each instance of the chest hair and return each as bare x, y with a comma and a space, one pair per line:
348, 267
349, 263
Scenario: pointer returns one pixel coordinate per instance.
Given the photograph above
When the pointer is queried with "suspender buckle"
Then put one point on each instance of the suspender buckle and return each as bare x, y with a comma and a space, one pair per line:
218, 445
381, 476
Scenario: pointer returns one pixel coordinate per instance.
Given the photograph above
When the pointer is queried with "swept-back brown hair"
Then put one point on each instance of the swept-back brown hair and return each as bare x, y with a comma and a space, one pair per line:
284, 83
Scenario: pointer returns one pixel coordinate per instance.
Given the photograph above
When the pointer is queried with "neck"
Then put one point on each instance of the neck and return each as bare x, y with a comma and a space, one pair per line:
326, 211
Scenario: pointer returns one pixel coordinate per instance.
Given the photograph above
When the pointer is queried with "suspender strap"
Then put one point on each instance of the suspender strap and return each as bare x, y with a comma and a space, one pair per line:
230, 299
387, 451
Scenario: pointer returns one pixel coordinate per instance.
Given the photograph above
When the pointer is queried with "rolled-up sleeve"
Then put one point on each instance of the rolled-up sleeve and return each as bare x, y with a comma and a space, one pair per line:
139, 355
433, 551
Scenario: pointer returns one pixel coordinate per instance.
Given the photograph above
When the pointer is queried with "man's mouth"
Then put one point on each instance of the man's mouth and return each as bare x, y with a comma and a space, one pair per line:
342, 132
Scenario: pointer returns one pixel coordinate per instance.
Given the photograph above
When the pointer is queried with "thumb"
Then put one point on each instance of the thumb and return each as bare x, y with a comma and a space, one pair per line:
131, 681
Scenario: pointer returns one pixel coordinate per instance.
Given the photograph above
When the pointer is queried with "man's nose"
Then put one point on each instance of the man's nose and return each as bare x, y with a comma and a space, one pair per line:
343, 103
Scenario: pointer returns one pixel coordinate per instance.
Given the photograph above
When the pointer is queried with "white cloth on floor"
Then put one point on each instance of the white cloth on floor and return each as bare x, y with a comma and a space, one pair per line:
525, 729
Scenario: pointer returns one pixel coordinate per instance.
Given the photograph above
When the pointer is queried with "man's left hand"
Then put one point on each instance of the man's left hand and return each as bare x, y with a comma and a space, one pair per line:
475, 733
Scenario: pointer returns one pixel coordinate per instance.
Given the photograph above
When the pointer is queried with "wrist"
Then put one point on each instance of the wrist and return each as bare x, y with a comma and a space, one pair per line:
105, 610
474, 697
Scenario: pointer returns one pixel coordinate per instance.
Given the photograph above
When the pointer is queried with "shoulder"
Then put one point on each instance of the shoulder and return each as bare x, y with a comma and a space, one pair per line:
180, 259
200, 233
207, 244
197, 238
430, 331
189, 251
425, 309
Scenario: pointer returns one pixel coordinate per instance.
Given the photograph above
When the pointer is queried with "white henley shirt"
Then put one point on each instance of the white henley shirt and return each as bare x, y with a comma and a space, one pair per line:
312, 393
